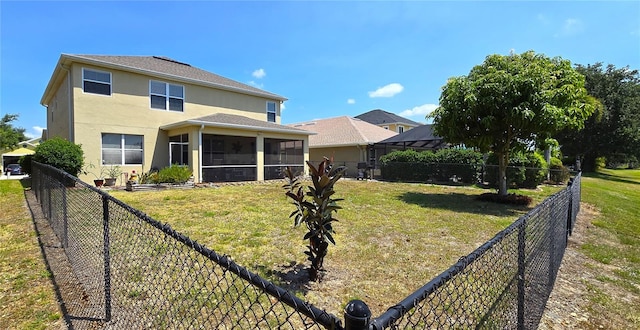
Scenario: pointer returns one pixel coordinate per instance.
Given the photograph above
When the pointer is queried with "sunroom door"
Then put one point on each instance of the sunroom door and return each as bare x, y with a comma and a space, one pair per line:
179, 153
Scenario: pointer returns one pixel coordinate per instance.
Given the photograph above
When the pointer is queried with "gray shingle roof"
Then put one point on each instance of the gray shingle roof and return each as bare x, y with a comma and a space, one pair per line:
178, 70
343, 131
381, 117
236, 121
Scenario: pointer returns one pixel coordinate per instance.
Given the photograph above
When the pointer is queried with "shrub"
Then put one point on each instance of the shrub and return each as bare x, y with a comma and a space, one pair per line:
558, 173
525, 170
25, 163
61, 154
174, 174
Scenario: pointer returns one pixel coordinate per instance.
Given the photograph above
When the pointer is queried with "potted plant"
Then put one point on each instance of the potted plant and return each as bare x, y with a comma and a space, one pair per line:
111, 175
99, 177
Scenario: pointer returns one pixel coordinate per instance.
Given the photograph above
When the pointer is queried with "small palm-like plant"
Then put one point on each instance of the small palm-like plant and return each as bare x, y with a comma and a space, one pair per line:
315, 209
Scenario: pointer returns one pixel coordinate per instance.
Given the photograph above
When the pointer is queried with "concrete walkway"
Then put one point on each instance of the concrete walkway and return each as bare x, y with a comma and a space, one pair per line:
12, 177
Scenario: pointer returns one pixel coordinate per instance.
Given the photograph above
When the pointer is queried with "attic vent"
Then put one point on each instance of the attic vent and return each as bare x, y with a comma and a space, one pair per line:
164, 58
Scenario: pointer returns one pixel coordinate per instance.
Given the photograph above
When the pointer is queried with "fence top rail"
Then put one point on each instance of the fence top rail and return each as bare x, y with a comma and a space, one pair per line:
322, 317
397, 311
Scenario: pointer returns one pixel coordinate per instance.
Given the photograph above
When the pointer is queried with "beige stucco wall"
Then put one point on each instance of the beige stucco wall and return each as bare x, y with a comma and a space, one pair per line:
349, 156
58, 112
127, 111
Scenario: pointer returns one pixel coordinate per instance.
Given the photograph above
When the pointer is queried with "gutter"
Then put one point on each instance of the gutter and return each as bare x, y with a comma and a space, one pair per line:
236, 126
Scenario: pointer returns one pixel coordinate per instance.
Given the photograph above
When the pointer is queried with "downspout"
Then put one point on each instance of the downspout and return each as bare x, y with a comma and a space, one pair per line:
200, 153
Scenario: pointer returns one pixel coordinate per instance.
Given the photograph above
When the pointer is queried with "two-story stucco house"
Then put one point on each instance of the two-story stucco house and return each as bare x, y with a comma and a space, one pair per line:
147, 112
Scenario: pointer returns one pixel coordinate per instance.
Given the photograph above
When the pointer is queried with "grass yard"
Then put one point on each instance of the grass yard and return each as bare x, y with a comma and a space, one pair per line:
613, 246
27, 297
391, 239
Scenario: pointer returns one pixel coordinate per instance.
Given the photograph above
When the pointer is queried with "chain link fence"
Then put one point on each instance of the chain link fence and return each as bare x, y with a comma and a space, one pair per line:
504, 284
139, 273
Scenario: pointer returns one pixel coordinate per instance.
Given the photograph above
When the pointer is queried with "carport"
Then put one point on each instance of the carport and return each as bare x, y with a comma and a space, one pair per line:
12, 157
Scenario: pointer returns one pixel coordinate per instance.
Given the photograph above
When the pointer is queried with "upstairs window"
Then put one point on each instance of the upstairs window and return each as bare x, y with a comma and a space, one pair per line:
96, 82
400, 129
166, 96
271, 112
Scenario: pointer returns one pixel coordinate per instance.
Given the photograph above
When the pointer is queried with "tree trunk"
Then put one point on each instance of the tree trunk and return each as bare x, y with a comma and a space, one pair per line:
502, 173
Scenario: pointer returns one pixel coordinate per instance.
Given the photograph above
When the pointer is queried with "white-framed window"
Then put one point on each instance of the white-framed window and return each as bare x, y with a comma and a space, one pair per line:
166, 96
122, 149
385, 127
271, 111
400, 129
96, 82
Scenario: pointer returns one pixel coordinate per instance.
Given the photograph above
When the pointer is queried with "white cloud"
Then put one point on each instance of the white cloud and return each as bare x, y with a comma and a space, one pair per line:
351, 101
387, 91
282, 107
38, 132
570, 28
260, 73
421, 110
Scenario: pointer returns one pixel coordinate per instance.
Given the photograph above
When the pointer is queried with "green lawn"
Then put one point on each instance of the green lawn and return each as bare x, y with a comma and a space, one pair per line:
391, 239
27, 298
614, 246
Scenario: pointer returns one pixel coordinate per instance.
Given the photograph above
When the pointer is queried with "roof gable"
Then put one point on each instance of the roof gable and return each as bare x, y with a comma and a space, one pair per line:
160, 67
381, 117
343, 131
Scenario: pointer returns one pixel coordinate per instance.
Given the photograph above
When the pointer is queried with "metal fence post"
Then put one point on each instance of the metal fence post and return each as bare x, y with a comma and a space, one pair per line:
107, 262
570, 212
356, 315
521, 266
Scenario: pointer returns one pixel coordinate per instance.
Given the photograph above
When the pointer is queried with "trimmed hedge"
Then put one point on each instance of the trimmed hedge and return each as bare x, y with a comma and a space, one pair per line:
440, 166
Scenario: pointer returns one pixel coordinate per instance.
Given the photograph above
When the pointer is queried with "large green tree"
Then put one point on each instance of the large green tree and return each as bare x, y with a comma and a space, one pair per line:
509, 102
10, 136
615, 130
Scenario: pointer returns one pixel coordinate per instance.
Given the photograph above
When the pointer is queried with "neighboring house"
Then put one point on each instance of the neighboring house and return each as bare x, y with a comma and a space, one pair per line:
24, 148
419, 138
348, 140
147, 112
388, 120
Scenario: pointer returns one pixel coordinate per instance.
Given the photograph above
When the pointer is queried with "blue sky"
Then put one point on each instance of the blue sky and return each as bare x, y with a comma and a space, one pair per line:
328, 58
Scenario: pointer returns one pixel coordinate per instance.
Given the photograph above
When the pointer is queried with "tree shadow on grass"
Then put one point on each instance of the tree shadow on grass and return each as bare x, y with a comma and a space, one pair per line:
609, 177
462, 203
